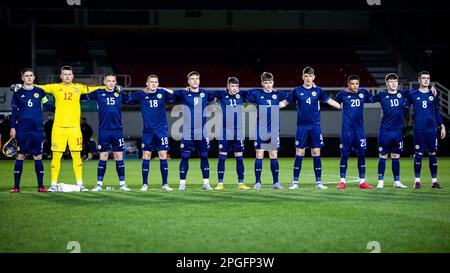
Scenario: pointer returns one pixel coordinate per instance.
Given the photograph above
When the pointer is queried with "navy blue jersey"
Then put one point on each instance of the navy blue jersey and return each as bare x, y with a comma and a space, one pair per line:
392, 105
353, 108
231, 105
266, 102
308, 104
109, 108
153, 109
195, 104
26, 107
426, 111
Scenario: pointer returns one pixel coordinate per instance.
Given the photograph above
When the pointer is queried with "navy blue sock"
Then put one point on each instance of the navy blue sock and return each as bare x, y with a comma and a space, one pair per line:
361, 164
396, 168
204, 164
120, 168
343, 164
240, 168
297, 167
145, 171
417, 165
39, 169
101, 169
184, 165
382, 167
275, 168
317, 163
221, 167
164, 168
18, 167
433, 165
258, 170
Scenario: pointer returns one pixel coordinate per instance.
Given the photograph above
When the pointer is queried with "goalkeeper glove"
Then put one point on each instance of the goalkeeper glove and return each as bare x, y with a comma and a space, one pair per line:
15, 87
118, 88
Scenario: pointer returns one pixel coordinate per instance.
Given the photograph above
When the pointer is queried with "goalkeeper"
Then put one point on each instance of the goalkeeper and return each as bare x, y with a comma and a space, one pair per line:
66, 127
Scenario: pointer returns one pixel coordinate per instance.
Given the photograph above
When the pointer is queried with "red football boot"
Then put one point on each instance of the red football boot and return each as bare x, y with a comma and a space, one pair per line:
42, 189
15, 189
365, 186
436, 185
341, 186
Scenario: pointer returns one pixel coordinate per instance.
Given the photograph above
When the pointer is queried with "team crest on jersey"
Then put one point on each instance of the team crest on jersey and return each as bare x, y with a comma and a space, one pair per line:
116, 95
340, 146
202, 95
255, 143
238, 96
431, 98
296, 142
182, 145
417, 147
76, 90
399, 95
159, 96
36, 95
220, 146
99, 146
361, 96
380, 149
314, 93
142, 145
274, 97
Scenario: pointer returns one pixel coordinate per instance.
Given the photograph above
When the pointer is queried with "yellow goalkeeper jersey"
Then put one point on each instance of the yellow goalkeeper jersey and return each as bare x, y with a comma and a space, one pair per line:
67, 102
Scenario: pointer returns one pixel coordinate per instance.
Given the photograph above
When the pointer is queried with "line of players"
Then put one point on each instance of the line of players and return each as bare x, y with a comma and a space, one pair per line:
27, 115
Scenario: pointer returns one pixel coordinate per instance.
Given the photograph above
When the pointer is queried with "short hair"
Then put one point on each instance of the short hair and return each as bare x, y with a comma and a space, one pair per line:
193, 73
266, 76
391, 76
232, 80
353, 78
423, 73
66, 67
110, 74
308, 70
152, 76
26, 70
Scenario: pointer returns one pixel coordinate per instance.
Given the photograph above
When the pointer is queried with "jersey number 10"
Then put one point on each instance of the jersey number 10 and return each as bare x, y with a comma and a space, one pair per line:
394, 103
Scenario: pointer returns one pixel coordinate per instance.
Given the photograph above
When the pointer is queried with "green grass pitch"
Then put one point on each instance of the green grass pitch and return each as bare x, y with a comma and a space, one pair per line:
306, 220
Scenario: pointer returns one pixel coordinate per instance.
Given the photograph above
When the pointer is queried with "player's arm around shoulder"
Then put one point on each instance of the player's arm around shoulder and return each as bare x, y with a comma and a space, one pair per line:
170, 91
336, 102
48, 88
88, 89
284, 99
252, 95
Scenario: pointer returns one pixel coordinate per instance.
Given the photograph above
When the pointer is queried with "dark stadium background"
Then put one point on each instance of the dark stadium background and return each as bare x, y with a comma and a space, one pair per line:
242, 39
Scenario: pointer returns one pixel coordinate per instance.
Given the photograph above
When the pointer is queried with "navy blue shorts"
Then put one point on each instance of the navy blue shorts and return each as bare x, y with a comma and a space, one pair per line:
236, 146
425, 142
152, 141
309, 136
390, 141
195, 145
353, 140
110, 140
29, 142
